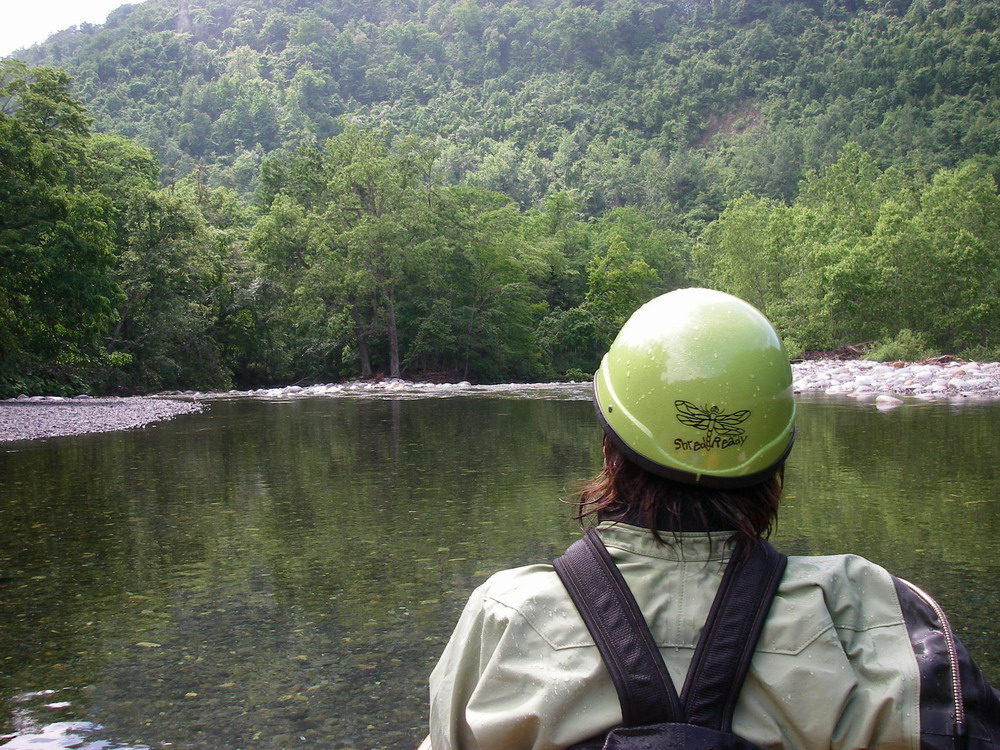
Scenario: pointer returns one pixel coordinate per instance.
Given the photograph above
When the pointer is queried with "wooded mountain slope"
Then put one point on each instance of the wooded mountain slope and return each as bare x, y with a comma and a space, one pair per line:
673, 106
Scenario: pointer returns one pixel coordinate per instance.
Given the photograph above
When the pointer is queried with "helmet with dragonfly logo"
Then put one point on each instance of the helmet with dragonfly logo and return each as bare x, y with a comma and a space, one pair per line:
697, 388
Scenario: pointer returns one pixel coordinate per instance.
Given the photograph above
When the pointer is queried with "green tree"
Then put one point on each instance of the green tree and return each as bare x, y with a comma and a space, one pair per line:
165, 270
280, 247
569, 343
748, 251
618, 282
379, 212
945, 263
490, 296
56, 291
562, 244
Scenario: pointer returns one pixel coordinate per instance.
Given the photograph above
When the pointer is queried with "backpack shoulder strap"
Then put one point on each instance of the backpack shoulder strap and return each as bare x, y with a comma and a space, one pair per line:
722, 656
610, 612
724, 651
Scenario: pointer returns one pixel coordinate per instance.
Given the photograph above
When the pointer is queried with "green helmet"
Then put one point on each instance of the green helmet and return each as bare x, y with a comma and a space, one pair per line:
697, 388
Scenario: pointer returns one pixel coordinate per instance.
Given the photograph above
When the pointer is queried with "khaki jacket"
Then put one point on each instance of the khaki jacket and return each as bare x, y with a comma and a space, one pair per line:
834, 667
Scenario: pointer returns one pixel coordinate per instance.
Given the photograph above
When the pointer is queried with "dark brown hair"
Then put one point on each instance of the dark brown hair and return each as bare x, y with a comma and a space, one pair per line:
625, 492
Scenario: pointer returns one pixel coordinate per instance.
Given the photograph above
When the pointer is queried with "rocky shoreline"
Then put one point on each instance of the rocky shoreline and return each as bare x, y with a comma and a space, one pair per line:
887, 385
32, 418
890, 383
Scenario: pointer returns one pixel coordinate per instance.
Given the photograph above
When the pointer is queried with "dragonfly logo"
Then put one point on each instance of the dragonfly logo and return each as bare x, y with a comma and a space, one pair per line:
721, 430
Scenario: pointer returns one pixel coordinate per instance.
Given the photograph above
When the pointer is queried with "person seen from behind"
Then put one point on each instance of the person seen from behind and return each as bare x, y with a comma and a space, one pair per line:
695, 400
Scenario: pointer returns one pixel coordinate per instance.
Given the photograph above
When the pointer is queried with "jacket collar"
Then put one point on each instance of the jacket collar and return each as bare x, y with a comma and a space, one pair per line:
682, 546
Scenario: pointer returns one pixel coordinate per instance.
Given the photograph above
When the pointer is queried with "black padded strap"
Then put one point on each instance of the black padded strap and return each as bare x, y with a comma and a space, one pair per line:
724, 651
608, 609
722, 656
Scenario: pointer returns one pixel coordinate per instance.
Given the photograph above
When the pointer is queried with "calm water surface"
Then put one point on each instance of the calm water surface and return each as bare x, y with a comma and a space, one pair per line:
284, 574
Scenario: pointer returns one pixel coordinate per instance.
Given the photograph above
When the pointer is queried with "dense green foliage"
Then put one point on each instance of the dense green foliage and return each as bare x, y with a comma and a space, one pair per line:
56, 249
486, 189
675, 107
107, 279
863, 254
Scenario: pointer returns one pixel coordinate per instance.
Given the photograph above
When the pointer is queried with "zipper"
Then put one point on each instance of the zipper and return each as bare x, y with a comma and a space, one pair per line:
958, 727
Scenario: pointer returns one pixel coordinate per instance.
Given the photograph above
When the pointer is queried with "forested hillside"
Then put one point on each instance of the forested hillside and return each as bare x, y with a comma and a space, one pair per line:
484, 189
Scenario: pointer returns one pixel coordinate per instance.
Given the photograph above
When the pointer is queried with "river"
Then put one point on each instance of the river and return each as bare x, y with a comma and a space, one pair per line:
278, 574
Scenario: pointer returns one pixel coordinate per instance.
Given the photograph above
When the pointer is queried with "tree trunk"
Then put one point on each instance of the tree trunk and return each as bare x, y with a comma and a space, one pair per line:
364, 360
390, 315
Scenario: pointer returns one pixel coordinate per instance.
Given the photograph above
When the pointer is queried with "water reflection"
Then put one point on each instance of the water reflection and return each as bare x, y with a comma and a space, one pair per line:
284, 574
64, 734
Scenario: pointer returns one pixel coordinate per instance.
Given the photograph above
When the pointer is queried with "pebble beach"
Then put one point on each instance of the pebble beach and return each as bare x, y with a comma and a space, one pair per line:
35, 417
886, 385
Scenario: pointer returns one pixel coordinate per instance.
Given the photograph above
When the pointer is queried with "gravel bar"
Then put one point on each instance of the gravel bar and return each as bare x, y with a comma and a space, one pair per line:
34, 417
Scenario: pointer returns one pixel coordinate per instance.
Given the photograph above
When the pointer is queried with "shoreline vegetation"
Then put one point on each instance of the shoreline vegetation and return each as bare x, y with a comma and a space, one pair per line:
887, 385
262, 191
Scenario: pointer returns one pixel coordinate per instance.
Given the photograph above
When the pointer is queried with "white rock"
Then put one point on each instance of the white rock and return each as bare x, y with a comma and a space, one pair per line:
885, 399
887, 402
